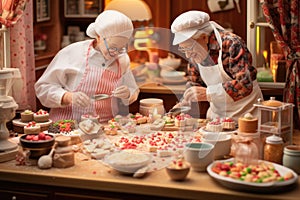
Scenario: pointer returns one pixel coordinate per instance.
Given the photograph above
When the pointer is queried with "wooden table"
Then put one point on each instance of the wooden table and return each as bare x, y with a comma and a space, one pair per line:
91, 179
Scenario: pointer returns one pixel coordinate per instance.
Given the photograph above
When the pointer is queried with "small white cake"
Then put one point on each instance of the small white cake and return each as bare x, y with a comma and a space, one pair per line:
214, 126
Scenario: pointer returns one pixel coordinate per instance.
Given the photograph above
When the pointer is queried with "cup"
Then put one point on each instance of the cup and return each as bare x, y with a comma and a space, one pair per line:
199, 155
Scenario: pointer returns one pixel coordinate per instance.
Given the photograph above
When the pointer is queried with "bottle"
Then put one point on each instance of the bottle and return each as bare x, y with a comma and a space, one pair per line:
273, 149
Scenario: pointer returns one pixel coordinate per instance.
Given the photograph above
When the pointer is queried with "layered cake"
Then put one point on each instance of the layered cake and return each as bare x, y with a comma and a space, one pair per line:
180, 120
41, 116
27, 116
228, 123
214, 126
248, 123
32, 128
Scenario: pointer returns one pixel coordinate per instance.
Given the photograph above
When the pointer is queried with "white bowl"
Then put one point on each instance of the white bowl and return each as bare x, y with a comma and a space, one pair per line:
127, 161
172, 75
169, 63
221, 142
199, 155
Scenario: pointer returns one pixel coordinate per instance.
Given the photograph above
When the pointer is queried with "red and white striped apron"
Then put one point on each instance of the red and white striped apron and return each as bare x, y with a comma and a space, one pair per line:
95, 80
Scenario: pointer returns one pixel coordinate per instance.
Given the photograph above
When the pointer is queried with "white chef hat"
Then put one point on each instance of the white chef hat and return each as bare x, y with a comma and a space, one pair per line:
188, 23
110, 23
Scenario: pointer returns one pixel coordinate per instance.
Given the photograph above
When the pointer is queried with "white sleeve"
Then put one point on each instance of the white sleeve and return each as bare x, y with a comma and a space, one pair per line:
217, 94
54, 82
128, 80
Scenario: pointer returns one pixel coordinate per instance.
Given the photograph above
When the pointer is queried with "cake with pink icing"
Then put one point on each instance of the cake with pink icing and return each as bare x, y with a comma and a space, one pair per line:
228, 123
214, 126
32, 128
41, 116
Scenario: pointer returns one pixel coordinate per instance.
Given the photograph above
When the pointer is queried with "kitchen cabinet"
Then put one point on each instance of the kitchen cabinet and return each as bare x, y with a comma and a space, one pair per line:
49, 32
23, 195
82, 8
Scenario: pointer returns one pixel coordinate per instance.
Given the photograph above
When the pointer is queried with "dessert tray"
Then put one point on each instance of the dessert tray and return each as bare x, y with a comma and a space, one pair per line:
18, 122
229, 132
268, 187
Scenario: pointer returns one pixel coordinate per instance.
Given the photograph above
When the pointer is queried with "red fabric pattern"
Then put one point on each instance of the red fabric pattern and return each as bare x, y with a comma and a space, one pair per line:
283, 16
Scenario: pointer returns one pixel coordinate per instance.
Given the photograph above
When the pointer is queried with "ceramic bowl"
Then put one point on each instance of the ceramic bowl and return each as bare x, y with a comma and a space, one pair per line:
221, 142
169, 63
178, 174
37, 144
199, 155
128, 162
37, 148
172, 75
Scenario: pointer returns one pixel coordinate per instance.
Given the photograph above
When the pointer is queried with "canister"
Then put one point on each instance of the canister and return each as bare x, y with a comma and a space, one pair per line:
291, 157
151, 106
273, 149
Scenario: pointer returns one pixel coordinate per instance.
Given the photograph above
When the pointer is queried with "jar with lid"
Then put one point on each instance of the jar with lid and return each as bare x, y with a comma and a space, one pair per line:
273, 149
291, 157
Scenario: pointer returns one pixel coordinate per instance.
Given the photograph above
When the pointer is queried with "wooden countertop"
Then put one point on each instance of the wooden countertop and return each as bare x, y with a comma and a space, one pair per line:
157, 87
93, 175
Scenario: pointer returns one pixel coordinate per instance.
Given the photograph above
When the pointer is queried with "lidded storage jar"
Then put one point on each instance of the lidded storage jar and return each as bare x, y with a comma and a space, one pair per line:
273, 149
291, 157
151, 106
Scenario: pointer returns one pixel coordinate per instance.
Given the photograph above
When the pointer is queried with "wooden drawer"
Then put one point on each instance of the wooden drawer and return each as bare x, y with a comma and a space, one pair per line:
20, 195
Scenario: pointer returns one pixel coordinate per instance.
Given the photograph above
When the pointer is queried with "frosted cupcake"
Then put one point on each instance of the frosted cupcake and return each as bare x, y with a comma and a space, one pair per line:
27, 116
214, 126
32, 128
41, 116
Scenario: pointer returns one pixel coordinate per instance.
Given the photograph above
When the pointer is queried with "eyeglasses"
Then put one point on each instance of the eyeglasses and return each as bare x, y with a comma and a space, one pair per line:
186, 49
113, 51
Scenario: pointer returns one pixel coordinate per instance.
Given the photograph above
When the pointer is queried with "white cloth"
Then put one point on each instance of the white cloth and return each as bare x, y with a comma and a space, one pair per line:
66, 70
188, 23
221, 104
110, 23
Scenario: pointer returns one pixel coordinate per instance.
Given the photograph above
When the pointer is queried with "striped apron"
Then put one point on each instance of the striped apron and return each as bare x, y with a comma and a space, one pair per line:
95, 80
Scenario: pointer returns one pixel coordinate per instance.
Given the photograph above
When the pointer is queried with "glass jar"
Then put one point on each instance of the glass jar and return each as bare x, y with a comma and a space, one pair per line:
273, 149
291, 157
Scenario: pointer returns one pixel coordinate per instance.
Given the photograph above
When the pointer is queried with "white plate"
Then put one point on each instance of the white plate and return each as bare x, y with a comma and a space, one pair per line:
255, 187
203, 130
128, 162
18, 122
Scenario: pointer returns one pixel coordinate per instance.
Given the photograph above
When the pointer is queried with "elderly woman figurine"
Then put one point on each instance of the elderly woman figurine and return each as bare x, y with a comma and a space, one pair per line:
224, 63
84, 69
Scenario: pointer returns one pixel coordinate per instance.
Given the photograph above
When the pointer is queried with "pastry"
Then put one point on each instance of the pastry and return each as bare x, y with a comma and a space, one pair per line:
32, 128
41, 116
228, 123
180, 120
27, 116
248, 123
214, 126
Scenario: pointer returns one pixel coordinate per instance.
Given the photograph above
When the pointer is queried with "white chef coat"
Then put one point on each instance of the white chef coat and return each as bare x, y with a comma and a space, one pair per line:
66, 70
221, 104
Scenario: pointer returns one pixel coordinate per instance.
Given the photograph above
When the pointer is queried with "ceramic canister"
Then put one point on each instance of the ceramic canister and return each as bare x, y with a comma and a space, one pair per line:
291, 157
